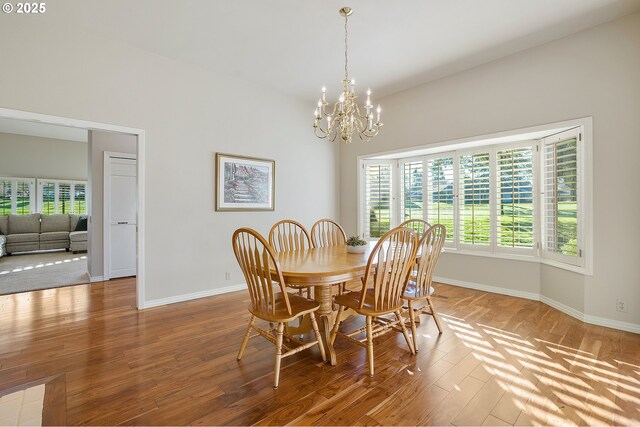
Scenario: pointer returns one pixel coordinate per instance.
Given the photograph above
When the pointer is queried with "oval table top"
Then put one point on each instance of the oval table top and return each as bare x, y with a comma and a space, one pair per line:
323, 266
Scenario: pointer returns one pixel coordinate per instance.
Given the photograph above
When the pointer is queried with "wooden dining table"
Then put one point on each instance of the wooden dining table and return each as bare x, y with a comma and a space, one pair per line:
323, 269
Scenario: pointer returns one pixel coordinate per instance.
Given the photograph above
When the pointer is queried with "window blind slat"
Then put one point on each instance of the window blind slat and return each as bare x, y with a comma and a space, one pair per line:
440, 194
561, 197
514, 201
412, 195
378, 199
474, 224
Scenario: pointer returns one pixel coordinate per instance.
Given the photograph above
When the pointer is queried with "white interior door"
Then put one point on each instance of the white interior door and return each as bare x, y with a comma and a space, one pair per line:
121, 207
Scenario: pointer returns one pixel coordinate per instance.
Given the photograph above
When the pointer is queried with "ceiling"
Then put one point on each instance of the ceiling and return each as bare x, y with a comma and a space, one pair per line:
296, 46
43, 130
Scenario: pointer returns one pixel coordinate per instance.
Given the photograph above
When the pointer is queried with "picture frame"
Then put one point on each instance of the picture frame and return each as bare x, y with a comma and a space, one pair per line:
244, 183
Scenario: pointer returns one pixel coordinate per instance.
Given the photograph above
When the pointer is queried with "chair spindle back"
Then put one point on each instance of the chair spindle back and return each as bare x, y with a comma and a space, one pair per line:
417, 225
289, 235
256, 259
388, 268
429, 249
326, 232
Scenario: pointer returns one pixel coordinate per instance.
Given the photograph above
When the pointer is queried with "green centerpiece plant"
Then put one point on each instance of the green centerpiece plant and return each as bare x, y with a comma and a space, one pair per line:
356, 245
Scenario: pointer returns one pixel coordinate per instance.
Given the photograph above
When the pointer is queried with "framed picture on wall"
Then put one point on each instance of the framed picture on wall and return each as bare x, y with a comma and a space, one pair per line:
244, 183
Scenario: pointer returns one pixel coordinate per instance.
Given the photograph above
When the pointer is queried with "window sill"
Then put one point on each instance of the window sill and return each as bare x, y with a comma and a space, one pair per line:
522, 258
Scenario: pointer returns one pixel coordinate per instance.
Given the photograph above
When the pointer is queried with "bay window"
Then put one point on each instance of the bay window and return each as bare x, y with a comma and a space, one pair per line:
519, 197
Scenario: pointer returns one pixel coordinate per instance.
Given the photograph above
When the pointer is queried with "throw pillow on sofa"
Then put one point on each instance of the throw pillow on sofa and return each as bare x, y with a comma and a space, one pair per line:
82, 224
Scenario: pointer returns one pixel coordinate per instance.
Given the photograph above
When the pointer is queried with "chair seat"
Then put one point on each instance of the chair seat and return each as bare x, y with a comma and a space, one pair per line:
414, 293
352, 300
299, 306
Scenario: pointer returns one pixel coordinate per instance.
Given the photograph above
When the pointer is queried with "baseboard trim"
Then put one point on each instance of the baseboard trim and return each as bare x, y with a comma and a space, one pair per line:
96, 279
194, 295
487, 288
563, 308
615, 324
577, 314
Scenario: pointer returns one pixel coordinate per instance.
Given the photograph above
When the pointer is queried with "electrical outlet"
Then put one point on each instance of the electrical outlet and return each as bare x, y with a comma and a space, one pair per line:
621, 306
227, 276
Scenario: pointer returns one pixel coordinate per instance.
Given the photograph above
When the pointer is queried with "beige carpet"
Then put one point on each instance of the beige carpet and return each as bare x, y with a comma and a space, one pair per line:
23, 407
33, 271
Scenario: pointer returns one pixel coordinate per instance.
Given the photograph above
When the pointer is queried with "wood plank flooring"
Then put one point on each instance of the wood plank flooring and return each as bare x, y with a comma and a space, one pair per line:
500, 361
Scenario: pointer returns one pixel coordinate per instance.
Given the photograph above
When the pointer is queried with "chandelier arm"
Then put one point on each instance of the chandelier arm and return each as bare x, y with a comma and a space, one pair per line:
370, 133
322, 135
318, 128
365, 117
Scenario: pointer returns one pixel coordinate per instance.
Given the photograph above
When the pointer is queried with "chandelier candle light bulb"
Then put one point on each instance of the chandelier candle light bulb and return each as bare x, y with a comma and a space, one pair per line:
345, 119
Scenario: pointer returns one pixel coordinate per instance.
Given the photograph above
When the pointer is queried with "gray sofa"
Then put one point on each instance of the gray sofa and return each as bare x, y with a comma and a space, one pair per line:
35, 232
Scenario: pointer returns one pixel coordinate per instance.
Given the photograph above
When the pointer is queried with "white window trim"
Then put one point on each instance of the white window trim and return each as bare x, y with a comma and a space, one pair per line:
14, 192
455, 147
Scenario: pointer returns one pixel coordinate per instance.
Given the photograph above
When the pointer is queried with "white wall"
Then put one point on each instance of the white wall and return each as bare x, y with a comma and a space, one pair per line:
188, 114
99, 142
35, 157
592, 73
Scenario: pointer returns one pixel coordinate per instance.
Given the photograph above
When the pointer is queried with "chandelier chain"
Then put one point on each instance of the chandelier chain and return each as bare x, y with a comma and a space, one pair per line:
346, 49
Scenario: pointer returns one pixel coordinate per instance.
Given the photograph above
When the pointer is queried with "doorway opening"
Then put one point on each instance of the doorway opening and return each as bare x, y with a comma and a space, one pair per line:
56, 206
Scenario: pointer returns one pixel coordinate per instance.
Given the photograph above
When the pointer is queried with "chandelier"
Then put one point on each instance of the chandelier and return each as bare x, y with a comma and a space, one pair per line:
346, 117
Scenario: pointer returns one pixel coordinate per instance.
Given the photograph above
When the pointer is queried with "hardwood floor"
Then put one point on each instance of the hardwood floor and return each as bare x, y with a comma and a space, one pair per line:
500, 360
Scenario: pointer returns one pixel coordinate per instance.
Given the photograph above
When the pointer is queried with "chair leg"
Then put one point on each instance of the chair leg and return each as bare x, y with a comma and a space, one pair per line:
405, 332
414, 333
336, 325
316, 331
245, 340
370, 345
278, 354
435, 315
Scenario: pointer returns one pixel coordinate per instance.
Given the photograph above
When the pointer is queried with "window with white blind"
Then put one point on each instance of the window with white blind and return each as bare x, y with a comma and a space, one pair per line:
61, 196
17, 196
411, 196
378, 198
474, 218
440, 193
515, 199
560, 197
526, 196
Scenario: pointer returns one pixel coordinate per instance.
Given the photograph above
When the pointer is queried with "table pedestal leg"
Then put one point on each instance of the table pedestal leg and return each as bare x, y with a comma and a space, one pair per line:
326, 318
326, 324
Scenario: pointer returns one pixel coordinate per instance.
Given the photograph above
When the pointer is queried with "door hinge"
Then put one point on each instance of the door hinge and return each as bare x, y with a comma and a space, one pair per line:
580, 137
579, 253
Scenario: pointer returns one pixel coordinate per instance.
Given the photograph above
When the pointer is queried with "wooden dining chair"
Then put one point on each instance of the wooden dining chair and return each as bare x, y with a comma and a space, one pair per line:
418, 291
383, 285
257, 259
327, 232
418, 225
289, 235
